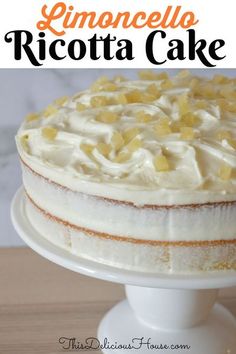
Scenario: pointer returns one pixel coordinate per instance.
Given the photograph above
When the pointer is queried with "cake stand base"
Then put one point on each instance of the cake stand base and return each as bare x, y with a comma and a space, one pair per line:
120, 326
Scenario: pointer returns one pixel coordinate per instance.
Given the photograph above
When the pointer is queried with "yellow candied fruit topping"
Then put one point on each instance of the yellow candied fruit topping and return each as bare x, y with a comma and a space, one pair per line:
167, 84
231, 107
223, 134
228, 93
200, 104
232, 142
143, 117
225, 172
49, 111
153, 90
187, 133
183, 105
225, 105
49, 133
61, 101
104, 149
107, 117
134, 96
163, 128
31, 117
161, 163
97, 85
183, 74
208, 91
148, 97
195, 85
80, 107
117, 141
147, 75
152, 76
119, 78
99, 101
220, 79
24, 142
177, 125
110, 87
190, 119
87, 148
134, 145
121, 99
130, 134
122, 157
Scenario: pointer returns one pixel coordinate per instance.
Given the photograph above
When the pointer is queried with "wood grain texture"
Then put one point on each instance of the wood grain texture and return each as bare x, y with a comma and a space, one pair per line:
41, 302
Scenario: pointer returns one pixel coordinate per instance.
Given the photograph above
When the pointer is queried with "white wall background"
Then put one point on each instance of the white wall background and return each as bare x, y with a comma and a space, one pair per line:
23, 91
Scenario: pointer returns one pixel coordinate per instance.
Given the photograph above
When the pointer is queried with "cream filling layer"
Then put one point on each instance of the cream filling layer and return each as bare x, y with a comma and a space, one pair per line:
216, 222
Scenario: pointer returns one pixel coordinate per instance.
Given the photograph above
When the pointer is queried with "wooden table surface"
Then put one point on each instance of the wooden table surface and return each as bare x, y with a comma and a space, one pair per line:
41, 302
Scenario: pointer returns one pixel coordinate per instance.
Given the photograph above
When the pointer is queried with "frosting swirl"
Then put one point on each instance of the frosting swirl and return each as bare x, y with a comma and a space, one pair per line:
155, 140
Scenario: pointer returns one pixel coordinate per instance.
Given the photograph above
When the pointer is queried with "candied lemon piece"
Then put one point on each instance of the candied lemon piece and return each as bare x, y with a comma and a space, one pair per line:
220, 79
228, 92
190, 119
231, 107
163, 128
177, 125
61, 101
110, 87
162, 76
119, 78
200, 104
153, 90
134, 145
187, 133
31, 117
24, 142
223, 134
104, 149
122, 157
87, 148
143, 117
117, 141
195, 85
98, 101
80, 107
147, 75
232, 143
183, 74
161, 163
183, 105
209, 91
49, 111
147, 97
97, 85
223, 103
167, 84
121, 99
225, 172
49, 133
130, 134
134, 96
107, 117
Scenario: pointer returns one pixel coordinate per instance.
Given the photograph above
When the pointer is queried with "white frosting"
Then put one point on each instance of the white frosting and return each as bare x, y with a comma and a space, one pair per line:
193, 177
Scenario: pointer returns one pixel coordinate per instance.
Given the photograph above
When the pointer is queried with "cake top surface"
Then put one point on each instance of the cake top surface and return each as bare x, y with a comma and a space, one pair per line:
156, 140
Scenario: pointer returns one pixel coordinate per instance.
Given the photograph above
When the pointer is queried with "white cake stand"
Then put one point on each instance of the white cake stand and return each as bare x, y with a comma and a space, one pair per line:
164, 310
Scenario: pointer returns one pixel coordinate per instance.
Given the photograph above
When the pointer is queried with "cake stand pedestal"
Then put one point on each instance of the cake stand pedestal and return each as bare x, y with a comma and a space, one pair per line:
163, 312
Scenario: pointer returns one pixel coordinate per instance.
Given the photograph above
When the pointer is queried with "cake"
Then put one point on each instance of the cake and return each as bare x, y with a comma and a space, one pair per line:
139, 175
